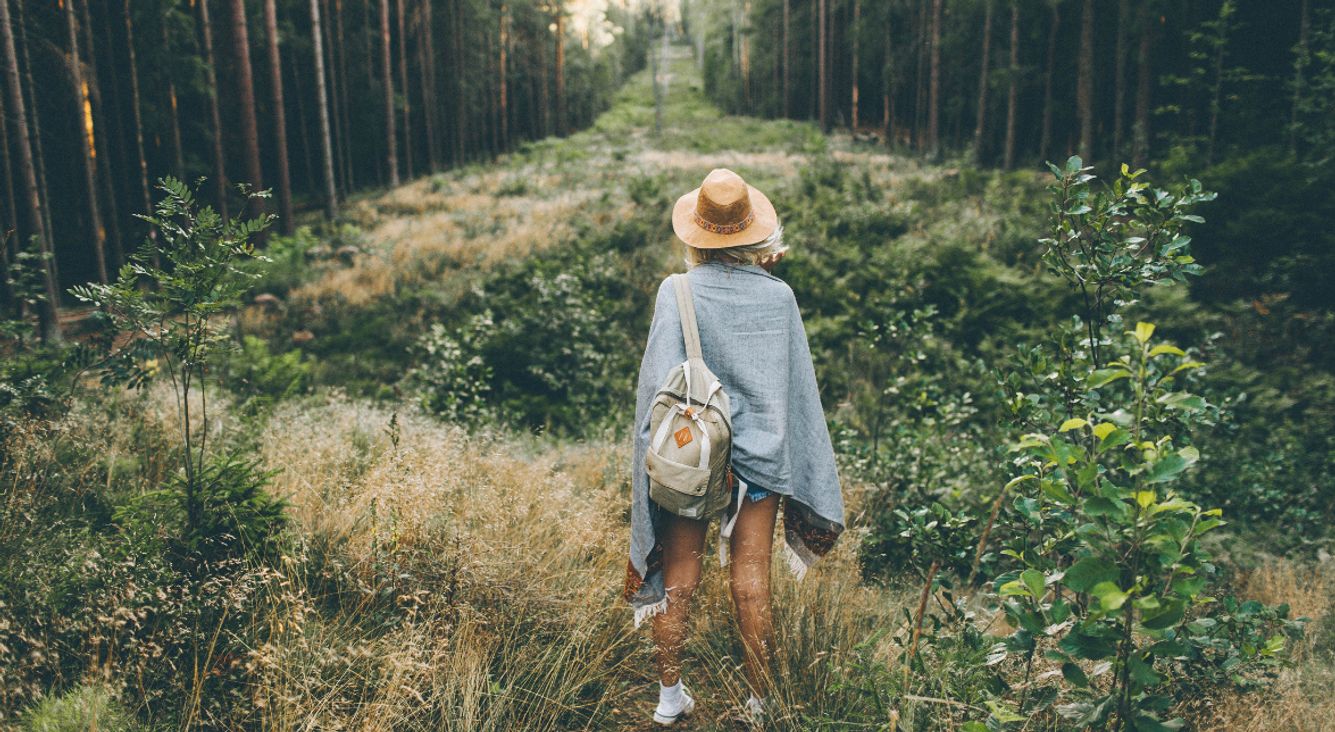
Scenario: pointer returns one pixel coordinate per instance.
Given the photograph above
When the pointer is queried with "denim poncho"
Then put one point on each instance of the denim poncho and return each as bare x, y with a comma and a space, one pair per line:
753, 340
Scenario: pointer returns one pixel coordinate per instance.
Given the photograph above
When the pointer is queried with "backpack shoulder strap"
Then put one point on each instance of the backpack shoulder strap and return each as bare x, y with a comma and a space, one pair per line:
686, 307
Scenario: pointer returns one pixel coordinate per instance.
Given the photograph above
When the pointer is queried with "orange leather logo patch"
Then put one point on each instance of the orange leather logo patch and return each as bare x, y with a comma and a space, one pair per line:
683, 437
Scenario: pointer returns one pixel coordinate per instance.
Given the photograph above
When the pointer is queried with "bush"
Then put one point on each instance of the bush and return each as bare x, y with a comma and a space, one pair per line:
85, 707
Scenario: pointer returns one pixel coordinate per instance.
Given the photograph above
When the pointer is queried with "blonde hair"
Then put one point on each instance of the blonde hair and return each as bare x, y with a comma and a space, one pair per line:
772, 246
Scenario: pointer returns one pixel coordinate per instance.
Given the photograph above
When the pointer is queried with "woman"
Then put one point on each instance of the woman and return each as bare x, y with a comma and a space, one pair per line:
752, 338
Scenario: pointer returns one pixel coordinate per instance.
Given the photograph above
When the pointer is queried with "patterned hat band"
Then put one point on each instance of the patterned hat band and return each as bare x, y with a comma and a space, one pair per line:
724, 228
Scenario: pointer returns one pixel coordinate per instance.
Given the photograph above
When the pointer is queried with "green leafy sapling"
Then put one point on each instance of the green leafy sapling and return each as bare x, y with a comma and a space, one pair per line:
168, 300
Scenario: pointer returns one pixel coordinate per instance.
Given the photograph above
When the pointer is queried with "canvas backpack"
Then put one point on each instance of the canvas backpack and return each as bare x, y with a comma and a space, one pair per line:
689, 459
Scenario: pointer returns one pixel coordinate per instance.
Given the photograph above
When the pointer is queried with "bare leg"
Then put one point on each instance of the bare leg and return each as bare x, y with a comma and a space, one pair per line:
683, 542
752, 545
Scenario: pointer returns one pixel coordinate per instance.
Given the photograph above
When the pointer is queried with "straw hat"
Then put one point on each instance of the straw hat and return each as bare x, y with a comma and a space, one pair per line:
723, 212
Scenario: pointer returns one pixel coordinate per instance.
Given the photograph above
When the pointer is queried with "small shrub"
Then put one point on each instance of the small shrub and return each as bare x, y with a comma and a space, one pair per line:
85, 707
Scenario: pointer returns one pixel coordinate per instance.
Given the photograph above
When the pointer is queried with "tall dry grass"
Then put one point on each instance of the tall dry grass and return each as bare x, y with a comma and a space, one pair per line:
472, 582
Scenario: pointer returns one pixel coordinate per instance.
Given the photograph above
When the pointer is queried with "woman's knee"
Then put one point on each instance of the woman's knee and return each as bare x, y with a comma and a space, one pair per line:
750, 589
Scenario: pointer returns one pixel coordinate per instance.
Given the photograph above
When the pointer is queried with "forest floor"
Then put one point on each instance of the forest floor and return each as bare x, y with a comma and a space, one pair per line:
527, 536
464, 576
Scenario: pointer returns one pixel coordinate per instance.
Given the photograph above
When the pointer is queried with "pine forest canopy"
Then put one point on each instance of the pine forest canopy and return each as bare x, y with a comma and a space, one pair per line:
1018, 81
316, 99
313, 99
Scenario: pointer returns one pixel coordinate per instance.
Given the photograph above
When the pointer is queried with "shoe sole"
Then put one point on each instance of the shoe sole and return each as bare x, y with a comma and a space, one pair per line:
685, 712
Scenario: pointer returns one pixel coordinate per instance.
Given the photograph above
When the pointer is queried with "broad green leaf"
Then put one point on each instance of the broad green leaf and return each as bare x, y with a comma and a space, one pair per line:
1111, 597
1073, 423
1103, 377
1103, 429
1033, 579
1088, 572
1166, 469
1143, 331
1166, 348
1145, 498
1074, 674
1166, 616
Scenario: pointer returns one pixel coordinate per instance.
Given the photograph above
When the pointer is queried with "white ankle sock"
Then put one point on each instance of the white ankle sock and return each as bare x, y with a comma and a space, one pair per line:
671, 698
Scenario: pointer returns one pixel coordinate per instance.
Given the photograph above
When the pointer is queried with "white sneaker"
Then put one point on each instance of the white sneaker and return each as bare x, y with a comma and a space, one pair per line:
668, 715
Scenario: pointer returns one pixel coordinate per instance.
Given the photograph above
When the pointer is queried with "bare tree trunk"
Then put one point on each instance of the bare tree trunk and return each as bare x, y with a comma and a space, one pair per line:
245, 83
1217, 89
505, 81
39, 153
980, 120
888, 92
10, 222
279, 118
920, 76
560, 71
215, 117
391, 144
345, 136
822, 72
102, 152
1119, 83
855, 30
1299, 67
298, 81
48, 322
322, 99
787, 61
426, 47
1140, 131
84, 113
405, 89
1085, 81
1012, 89
934, 95
178, 153
147, 201
1045, 138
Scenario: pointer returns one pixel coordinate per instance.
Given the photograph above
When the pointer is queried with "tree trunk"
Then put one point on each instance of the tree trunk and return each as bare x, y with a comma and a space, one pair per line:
215, 116
339, 50
404, 89
980, 121
1299, 67
10, 222
1045, 138
821, 70
147, 200
178, 152
920, 76
84, 113
285, 220
855, 30
1085, 81
102, 152
787, 61
322, 99
48, 323
1012, 89
426, 47
505, 78
245, 89
934, 93
888, 83
298, 81
561, 71
1119, 82
1217, 89
1140, 131
38, 152
391, 144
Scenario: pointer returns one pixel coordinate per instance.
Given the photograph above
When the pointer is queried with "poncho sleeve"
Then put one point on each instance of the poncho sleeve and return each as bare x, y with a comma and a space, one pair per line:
664, 350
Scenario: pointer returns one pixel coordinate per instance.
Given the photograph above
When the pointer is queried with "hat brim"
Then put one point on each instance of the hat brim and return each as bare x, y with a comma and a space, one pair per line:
764, 223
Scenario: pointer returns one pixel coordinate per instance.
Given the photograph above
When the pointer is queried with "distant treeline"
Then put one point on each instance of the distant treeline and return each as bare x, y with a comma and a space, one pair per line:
1016, 81
312, 98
